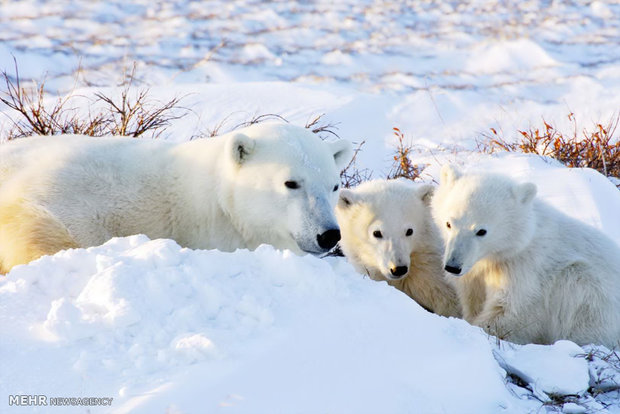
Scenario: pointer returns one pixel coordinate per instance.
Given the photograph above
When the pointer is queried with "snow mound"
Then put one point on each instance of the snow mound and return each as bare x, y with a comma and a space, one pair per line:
507, 56
156, 326
557, 369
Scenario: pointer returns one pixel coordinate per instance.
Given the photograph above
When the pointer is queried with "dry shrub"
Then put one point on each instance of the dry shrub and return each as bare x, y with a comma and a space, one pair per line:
314, 124
219, 129
321, 128
595, 148
126, 116
257, 119
35, 118
133, 117
351, 175
402, 167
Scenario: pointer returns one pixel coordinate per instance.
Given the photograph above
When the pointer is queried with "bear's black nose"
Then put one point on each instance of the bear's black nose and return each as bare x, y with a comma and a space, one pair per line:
452, 269
328, 239
398, 270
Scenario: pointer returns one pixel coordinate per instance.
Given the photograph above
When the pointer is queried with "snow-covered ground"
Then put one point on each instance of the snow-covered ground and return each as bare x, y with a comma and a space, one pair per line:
159, 328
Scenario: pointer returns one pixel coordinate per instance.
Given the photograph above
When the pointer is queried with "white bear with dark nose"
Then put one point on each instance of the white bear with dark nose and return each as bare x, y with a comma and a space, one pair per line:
523, 270
268, 183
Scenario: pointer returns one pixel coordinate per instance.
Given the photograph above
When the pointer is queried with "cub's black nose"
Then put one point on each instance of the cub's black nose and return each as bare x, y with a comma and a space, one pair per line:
398, 270
453, 270
328, 239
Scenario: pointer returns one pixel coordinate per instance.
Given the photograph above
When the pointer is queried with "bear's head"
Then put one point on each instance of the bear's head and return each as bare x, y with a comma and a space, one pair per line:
283, 185
482, 216
382, 222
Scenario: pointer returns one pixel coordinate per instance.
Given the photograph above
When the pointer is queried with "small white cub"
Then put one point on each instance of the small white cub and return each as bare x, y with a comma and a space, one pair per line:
523, 270
387, 233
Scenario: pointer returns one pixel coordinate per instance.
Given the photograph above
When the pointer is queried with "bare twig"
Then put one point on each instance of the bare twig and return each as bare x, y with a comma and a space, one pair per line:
351, 175
316, 126
257, 119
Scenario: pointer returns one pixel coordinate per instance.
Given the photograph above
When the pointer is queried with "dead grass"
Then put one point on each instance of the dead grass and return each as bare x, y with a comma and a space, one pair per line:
317, 126
351, 175
220, 127
402, 167
132, 114
257, 119
603, 380
133, 117
595, 148
35, 118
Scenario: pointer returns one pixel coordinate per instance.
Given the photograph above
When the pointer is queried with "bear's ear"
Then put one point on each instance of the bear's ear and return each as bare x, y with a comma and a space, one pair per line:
524, 193
342, 151
241, 148
449, 174
425, 192
346, 198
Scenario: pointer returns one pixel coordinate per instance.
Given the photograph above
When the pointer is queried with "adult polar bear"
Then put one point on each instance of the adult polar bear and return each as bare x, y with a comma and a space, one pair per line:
268, 183
523, 270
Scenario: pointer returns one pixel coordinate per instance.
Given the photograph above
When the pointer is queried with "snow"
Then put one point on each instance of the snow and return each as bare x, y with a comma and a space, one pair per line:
503, 56
163, 325
538, 365
160, 328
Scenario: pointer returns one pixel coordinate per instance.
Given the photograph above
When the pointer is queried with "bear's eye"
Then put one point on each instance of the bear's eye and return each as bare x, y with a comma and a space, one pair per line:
293, 185
377, 234
409, 232
336, 187
448, 225
481, 232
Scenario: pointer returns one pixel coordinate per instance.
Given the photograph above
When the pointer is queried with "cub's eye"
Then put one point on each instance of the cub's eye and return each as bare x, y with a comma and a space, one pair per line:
336, 187
409, 232
377, 234
293, 185
481, 232
448, 225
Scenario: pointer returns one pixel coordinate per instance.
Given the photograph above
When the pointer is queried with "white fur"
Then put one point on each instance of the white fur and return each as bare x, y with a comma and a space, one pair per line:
226, 192
392, 207
537, 275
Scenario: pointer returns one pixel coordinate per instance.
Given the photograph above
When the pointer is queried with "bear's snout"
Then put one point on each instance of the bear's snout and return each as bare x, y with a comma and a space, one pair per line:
399, 270
328, 239
453, 269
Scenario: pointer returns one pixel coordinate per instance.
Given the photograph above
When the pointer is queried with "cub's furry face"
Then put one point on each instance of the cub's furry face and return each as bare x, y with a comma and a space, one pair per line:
481, 215
382, 222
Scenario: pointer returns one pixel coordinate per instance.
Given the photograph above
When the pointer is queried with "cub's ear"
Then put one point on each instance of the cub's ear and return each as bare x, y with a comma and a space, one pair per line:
524, 193
449, 174
343, 151
425, 192
241, 148
346, 198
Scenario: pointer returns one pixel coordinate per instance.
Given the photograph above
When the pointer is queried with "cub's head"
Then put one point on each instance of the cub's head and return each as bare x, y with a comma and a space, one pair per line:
283, 185
382, 222
481, 216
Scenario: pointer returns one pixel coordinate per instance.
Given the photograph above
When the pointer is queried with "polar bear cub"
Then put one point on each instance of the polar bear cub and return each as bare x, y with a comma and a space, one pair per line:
388, 233
268, 183
523, 270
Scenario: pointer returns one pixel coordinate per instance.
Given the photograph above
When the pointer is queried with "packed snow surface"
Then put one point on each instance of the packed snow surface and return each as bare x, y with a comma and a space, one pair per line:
159, 328
154, 325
